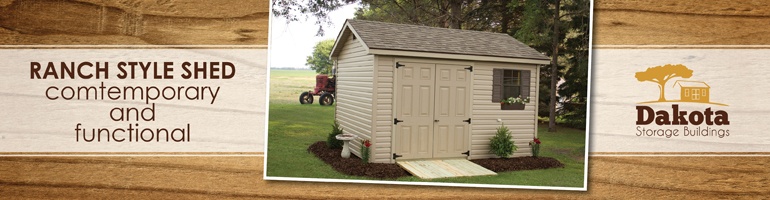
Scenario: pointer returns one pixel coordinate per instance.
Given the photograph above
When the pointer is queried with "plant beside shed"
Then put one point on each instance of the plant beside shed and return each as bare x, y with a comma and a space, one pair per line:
331, 140
502, 144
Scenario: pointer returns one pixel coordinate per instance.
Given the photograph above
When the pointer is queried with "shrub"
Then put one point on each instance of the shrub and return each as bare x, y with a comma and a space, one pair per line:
332, 140
574, 121
501, 144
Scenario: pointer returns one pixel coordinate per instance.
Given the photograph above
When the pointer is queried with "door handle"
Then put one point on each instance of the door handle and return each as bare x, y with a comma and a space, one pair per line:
435, 120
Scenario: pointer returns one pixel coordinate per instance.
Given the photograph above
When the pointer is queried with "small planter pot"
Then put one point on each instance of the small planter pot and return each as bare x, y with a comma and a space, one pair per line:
515, 106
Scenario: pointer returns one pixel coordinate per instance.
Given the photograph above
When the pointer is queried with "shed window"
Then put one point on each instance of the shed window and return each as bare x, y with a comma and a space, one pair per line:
510, 83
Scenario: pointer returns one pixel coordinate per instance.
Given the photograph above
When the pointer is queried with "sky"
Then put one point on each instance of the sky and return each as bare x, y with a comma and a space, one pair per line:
290, 44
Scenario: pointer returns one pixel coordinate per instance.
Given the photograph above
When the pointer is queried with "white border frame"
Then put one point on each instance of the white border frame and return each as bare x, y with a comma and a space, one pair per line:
471, 185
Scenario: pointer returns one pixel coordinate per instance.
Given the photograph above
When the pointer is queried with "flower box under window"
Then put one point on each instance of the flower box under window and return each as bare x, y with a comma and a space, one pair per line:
514, 106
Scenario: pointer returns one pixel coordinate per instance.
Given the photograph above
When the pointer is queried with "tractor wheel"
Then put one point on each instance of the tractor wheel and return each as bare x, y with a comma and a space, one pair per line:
326, 99
306, 98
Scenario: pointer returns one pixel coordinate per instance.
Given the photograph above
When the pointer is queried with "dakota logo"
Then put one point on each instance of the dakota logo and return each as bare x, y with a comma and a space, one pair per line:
690, 92
645, 116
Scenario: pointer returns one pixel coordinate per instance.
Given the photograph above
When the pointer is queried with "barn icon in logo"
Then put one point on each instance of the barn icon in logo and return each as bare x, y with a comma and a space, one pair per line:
690, 91
693, 91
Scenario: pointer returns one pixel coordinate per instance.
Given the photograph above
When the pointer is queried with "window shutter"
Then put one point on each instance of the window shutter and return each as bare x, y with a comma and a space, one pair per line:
525, 79
497, 85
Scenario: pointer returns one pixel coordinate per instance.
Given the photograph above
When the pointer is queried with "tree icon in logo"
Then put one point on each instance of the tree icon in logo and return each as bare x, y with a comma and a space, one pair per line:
661, 75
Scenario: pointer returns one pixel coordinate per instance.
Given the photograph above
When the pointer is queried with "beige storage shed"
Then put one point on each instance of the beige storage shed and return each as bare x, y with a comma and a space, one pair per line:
420, 92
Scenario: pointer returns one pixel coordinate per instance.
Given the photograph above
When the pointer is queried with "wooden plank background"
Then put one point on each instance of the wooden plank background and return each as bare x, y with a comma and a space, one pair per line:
135, 22
236, 177
625, 22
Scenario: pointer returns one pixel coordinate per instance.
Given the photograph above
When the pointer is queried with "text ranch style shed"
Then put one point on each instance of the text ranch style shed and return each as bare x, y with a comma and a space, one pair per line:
420, 92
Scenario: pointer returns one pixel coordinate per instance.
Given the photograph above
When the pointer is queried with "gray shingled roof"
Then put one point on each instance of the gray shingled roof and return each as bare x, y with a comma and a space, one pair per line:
390, 36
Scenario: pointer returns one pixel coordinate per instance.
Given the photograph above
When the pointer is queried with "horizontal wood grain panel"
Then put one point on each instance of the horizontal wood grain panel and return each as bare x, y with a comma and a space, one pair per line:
172, 22
235, 177
669, 22
131, 153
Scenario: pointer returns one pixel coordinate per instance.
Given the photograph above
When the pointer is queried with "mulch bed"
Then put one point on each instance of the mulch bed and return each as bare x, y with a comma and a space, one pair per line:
354, 166
518, 163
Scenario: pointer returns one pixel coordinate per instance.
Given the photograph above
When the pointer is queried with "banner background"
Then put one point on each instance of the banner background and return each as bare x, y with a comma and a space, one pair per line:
238, 175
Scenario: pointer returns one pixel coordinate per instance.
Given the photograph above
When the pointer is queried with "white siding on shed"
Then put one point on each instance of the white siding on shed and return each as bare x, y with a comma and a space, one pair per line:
485, 113
383, 105
355, 72
521, 123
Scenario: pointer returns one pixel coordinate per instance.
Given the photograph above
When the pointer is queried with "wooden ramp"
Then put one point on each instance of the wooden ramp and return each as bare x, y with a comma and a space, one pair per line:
430, 169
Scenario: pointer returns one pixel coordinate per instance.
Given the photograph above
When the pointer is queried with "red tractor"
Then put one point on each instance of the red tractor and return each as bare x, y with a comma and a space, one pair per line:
324, 87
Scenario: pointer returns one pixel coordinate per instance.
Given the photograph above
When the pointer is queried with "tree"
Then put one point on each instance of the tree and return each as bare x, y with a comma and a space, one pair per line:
559, 28
576, 51
661, 75
540, 30
319, 60
425, 12
494, 16
319, 10
534, 31
554, 67
574, 94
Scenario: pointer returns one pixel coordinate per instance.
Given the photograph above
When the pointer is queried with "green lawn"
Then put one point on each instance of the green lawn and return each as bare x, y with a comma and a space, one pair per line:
292, 127
286, 85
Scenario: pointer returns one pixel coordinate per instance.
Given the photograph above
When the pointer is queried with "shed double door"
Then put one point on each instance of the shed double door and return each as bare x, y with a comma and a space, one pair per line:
433, 105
